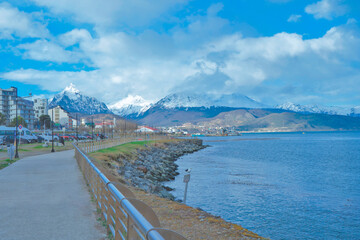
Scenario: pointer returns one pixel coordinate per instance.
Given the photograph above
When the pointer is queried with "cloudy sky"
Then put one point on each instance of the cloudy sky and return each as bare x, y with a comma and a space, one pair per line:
275, 51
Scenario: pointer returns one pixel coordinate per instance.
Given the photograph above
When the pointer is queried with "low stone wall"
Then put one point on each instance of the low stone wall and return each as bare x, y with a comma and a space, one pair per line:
156, 164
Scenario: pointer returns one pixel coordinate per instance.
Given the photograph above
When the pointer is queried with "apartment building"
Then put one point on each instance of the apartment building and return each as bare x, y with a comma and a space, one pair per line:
40, 107
62, 117
9, 102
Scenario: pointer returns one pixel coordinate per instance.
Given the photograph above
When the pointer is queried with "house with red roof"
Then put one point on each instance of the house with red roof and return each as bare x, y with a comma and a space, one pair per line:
147, 129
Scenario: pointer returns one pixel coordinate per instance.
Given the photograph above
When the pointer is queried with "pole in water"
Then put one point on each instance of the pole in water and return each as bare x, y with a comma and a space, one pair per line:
186, 181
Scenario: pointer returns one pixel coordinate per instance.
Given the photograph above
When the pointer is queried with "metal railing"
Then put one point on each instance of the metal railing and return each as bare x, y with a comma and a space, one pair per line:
92, 146
126, 217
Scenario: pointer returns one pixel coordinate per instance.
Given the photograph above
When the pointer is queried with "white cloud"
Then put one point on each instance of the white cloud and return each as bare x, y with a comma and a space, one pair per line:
199, 58
280, 1
327, 9
43, 50
229, 64
74, 36
112, 12
294, 18
14, 23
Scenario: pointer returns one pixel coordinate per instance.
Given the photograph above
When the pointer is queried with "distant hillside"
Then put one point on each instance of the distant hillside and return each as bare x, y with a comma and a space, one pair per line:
158, 116
288, 121
248, 119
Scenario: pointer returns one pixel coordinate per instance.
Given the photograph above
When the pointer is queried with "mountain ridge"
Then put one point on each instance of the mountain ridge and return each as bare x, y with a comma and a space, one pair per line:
72, 101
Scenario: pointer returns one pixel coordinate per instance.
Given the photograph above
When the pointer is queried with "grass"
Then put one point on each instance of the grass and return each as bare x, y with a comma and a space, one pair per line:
127, 151
24, 150
38, 147
6, 162
126, 148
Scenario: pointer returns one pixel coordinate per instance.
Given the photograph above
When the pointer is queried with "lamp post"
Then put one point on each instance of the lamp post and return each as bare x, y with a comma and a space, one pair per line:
16, 127
77, 134
52, 130
92, 128
16, 123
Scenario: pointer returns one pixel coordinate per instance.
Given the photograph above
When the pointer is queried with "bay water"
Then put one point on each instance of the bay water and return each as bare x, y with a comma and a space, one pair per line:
279, 185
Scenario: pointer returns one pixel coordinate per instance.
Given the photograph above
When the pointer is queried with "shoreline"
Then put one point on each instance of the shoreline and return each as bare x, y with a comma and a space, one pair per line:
156, 165
191, 222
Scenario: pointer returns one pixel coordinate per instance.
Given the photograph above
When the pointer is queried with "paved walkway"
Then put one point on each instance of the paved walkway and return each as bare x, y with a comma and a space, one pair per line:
45, 197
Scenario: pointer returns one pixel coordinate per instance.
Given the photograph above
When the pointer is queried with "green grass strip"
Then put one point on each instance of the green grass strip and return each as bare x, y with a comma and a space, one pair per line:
125, 148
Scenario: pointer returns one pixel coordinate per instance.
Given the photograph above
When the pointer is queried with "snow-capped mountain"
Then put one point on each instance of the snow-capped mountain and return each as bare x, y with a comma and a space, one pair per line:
186, 100
72, 101
131, 106
355, 111
331, 110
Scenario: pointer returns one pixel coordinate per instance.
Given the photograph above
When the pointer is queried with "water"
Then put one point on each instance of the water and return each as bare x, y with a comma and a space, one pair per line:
282, 186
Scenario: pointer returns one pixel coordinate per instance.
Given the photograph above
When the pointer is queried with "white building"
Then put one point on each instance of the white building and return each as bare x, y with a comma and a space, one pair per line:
40, 107
62, 117
146, 129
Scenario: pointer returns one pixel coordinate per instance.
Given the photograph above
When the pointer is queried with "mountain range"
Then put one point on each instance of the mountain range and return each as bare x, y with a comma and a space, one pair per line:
331, 110
206, 110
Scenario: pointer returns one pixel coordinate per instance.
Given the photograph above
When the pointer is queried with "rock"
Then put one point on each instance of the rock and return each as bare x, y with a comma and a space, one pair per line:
156, 164
142, 168
169, 189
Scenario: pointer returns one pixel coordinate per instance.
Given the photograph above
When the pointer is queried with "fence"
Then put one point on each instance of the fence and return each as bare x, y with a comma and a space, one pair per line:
92, 146
127, 217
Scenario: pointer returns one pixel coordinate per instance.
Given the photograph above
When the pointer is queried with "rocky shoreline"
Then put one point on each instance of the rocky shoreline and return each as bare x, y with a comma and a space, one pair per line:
155, 165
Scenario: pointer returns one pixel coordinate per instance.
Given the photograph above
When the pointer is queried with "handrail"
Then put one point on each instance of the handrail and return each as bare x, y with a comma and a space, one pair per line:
148, 231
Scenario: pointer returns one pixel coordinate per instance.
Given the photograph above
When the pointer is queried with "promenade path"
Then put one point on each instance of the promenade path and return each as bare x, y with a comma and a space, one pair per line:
45, 197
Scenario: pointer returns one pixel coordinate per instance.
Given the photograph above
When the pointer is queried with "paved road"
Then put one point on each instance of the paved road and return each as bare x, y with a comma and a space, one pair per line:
45, 197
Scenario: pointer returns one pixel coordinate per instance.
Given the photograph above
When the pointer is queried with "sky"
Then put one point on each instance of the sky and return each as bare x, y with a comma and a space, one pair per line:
274, 51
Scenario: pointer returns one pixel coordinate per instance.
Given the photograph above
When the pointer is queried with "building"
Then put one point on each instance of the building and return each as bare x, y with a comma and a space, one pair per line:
40, 107
147, 129
62, 117
104, 124
9, 102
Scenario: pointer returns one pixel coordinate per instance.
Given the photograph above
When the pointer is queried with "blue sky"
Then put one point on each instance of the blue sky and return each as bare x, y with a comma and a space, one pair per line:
275, 51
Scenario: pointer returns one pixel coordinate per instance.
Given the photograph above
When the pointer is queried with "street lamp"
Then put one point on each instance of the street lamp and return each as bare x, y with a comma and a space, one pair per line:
92, 128
52, 130
16, 123
77, 134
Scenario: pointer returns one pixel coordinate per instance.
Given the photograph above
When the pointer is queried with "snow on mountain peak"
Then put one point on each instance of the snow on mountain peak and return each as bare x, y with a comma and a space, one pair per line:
71, 89
206, 100
71, 100
185, 100
332, 110
130, 100
131, 105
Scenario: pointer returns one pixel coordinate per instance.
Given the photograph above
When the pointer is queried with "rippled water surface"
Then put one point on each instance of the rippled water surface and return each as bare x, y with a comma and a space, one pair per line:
281, 186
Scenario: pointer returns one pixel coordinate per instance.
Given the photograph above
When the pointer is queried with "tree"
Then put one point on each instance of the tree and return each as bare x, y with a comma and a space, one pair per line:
45, 119
20, 121
2, 119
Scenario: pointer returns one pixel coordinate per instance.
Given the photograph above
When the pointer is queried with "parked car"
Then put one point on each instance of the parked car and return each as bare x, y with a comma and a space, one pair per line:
65, 137
89, 137
47, 138
10, 139
24, 133
2, 140
81, 137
